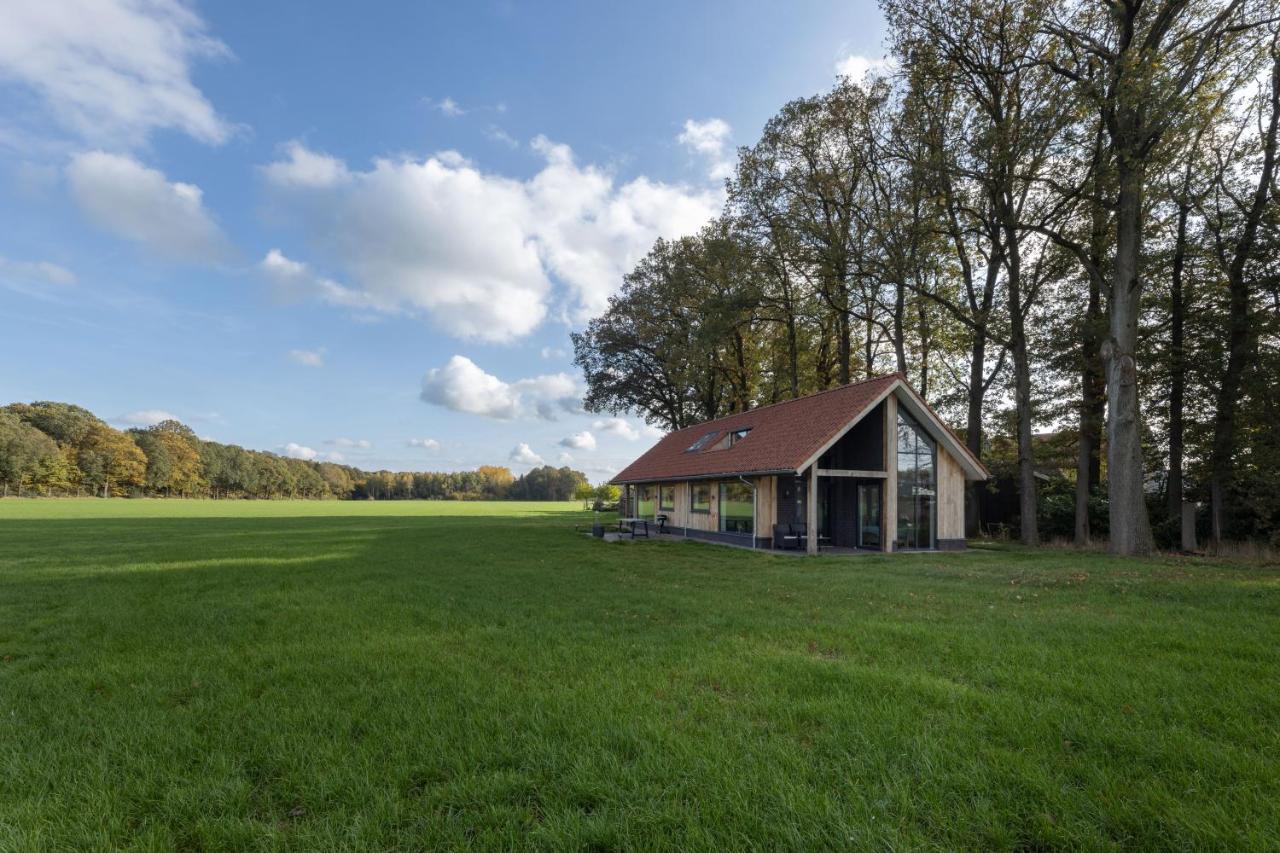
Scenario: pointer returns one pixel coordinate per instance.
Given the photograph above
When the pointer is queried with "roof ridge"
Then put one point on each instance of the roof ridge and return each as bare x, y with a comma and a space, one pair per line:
895, 375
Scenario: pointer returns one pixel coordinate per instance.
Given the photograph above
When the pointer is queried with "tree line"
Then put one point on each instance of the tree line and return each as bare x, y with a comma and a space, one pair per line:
49, 448
1058, 218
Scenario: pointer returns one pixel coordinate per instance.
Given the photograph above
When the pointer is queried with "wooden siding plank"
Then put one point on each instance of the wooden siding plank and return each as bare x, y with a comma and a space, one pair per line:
950, 496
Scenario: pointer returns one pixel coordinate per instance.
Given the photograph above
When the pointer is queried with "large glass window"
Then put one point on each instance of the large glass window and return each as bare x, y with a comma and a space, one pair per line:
644, 507
917, 484
701, 493
667, 497
736, 508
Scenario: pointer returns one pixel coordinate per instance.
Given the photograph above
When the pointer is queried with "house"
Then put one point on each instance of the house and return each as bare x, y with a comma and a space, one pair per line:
868, 465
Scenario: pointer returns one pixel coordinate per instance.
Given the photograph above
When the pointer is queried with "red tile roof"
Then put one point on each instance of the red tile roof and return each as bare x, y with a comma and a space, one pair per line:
783, 436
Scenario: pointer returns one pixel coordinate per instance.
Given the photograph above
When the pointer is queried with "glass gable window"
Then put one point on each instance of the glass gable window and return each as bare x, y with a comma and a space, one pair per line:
701, 497
667, 497
917, 484
644, 506
736, 508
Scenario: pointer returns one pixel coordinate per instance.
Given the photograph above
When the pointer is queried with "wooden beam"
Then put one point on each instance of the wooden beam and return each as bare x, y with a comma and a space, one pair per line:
812, 520
842, 472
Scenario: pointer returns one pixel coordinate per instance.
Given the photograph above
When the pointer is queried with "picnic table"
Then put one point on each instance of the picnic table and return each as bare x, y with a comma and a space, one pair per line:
631, 525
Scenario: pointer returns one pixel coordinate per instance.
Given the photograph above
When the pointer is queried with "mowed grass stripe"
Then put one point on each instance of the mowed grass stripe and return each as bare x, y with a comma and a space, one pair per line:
301, 675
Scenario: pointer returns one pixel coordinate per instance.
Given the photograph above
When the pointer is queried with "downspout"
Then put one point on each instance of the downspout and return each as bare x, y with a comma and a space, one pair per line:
754, 513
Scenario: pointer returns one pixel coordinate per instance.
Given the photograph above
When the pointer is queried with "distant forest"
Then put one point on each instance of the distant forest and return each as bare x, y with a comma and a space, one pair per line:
58, 449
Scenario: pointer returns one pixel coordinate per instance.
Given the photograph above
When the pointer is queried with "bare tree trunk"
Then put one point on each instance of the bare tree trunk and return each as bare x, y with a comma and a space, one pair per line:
1027, 503
926, 343
793, 353
1239, 333
1092, 382
1129, 523
1177, 367
973, 429
899, 345
844, 343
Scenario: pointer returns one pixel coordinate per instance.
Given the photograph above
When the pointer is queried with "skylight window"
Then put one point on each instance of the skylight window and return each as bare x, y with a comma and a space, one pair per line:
701, 443
731, 438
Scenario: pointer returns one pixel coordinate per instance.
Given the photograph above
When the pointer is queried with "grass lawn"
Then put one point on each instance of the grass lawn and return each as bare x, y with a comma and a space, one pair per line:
289, 675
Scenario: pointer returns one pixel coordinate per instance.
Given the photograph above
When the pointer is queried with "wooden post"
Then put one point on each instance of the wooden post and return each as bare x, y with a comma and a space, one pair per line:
889, 509
812, 520
1188, 526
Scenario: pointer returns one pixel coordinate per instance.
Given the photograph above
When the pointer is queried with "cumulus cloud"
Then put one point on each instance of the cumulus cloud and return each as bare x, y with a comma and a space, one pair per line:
354, 443
477, 252
564, 458
145, 417
295, 280
553, 352
43, 272
425, 443
856, 67
448, 106
463, 386
579, 441
303, 167
522, 454
112, 71
307, 357
125, 198
710, 139
619, 426
298, 451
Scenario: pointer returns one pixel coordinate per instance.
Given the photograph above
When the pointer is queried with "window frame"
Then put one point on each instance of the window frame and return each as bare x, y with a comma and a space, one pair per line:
663, 505
693, 501
750, 517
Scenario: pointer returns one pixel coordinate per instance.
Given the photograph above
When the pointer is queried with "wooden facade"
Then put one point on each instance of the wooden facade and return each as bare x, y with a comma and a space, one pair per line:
891, 478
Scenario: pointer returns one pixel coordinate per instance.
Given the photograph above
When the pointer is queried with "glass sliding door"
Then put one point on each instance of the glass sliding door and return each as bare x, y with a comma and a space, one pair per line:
869, 516
917, 485
737, 508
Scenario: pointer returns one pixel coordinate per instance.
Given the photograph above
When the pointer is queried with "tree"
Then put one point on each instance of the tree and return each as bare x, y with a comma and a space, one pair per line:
110, 460
1235, 219
1140, 66
24, 452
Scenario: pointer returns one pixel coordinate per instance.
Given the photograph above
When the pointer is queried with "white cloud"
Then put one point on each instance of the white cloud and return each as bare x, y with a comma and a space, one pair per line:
306, 168
553, 352
145, 417
463, 386
125, 198
564, 458
579, 441
497, 134
477, 252
295, 280
307, 357
448, 106
112, 71
856, 67
44, 272
357, 443
298, 451
425, 443
522, 454
619, 426
710, 139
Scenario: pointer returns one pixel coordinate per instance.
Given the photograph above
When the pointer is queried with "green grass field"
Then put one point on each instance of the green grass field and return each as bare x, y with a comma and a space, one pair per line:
281, 675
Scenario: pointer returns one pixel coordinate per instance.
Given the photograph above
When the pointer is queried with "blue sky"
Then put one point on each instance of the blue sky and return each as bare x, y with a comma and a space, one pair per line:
365, 231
